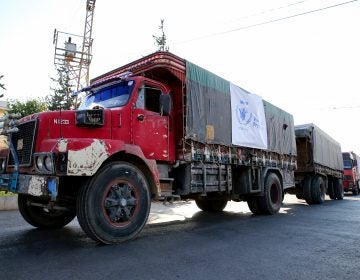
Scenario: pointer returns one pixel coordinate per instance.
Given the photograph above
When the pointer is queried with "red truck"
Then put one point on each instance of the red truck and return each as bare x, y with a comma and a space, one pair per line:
351, 172
156, 128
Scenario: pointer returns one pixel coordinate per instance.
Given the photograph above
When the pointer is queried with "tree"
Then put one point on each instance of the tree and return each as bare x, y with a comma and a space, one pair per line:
61, 98
28, 107
160, 41
2, 85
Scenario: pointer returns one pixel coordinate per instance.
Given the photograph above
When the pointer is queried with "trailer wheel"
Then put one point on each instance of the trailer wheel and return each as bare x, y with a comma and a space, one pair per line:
307, 190
338, 189
318, 190
270, 202
115, 205
212, 204
41, 217
253, 203
331, 188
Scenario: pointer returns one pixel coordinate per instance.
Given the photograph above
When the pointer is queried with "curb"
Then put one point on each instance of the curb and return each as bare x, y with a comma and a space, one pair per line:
8, 202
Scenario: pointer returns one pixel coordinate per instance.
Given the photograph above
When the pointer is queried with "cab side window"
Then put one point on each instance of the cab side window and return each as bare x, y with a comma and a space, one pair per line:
149, 98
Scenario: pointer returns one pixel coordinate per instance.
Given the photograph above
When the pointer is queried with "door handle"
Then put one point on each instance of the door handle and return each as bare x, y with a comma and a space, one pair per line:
140, 117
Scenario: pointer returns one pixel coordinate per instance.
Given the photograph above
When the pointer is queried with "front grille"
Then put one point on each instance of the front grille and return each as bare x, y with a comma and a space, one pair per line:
24, 142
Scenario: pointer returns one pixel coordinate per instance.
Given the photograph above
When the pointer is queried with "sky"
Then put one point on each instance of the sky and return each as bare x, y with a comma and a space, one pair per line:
302, 56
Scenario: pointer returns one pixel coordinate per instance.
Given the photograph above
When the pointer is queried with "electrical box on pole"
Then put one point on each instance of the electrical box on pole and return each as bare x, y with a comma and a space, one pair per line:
74, 51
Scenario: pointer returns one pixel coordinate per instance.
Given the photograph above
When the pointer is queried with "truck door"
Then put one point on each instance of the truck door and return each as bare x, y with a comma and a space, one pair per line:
150, 129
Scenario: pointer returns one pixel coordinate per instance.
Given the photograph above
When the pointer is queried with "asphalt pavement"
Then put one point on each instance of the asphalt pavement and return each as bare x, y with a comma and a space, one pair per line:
182, 242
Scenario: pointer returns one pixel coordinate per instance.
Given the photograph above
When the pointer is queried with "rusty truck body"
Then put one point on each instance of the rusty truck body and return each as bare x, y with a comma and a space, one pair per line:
157, 128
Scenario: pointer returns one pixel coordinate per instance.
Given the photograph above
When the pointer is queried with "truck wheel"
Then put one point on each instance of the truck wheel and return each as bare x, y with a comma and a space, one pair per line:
270, 202
299, 193
331, 188
115, 205
307, 190
338, 189
355, 190
253, 203
211, 205
318, 190
41, 217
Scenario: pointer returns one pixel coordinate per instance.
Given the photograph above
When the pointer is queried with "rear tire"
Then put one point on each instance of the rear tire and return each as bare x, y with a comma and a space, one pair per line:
211, 204
338, 189
331, 189
318, 190
271, 202
253, 203
42, 217
299, 195
115, 205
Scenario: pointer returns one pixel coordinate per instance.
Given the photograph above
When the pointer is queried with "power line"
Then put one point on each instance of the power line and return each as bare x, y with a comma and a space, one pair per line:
272, 10
266, 22
346, 107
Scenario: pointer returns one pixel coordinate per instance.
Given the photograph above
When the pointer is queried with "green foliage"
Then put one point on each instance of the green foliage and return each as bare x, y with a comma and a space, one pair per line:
28, 107
160, 41
61, 98
5, 193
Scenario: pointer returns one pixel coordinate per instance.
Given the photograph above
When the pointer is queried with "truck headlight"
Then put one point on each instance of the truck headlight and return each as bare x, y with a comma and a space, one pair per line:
39, 163
44, 163
49, 165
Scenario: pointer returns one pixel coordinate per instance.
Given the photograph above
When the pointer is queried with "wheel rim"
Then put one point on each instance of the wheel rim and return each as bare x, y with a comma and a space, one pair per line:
274, 194
120, 203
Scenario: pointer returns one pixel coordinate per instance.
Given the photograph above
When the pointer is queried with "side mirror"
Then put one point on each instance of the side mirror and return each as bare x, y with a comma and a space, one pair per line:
165, 104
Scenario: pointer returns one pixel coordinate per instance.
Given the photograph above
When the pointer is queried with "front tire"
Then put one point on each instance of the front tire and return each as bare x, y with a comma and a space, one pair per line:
42, 217
115, 205
355, 189
307, 190
318, 190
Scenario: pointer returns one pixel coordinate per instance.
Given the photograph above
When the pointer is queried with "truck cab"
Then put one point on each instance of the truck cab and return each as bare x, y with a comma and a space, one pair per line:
351, 174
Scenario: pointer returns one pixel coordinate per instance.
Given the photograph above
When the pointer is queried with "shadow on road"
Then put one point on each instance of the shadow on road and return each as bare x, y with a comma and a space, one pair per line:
72, 237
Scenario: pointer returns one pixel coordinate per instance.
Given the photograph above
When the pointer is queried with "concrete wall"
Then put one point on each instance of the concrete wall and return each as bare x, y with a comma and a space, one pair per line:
8, 202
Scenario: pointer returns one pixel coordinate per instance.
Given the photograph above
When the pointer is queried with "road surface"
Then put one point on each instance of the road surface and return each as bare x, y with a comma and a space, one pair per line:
182, 242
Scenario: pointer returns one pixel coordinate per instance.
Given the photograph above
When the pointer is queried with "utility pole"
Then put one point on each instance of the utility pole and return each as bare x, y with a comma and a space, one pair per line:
74, 51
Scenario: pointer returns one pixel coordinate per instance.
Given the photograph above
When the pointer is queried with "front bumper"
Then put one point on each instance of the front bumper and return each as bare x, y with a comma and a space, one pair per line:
348, 186
35, 185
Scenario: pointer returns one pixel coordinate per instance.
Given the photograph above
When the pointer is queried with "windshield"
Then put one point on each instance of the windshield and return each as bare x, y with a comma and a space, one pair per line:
347, 164
109, 96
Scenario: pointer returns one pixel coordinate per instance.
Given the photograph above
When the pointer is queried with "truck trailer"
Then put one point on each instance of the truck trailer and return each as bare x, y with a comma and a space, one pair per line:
319, 165
351, 172
157, 128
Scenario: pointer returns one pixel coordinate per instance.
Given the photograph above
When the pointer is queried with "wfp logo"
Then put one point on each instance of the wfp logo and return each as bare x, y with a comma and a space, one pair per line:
245, 117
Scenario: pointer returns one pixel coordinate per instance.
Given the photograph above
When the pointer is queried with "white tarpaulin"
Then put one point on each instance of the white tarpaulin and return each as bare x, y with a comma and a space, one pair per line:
248, 119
